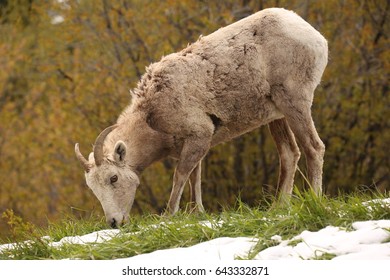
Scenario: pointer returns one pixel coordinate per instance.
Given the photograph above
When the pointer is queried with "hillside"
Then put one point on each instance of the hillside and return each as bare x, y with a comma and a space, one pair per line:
311, 228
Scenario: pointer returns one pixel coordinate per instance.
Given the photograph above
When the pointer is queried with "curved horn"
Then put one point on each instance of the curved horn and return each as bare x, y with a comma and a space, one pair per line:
98, 147
81, 158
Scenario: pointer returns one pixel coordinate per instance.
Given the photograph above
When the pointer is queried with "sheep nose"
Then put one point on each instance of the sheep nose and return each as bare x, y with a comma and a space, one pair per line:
112, 223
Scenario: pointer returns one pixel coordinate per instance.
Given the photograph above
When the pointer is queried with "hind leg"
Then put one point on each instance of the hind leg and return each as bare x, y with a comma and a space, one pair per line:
195, 189
288, 157
313, 148
296, 106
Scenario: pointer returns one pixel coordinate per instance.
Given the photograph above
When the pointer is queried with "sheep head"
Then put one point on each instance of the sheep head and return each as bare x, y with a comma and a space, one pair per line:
110, 179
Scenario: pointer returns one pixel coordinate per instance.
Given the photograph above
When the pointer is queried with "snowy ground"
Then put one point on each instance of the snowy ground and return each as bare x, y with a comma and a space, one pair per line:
368, 240
215, 259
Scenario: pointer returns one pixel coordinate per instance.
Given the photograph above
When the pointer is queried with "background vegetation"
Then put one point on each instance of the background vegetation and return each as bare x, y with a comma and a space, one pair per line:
66, 68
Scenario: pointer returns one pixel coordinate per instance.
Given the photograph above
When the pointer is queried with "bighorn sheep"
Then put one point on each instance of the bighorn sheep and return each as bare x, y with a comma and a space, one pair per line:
260, 70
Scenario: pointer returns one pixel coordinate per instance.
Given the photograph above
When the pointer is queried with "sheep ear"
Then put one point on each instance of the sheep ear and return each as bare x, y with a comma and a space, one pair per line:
120, 151
91, 158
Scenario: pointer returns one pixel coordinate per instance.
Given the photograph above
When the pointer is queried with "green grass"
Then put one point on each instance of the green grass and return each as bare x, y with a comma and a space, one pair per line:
151, 232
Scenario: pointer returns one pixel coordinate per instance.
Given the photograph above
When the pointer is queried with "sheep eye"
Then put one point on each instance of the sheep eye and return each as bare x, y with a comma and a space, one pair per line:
113, 179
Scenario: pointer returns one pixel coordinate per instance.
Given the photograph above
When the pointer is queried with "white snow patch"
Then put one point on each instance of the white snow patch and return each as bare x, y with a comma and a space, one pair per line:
219, 249
57, 19
94, 237
365, 242
384, 203
277, 238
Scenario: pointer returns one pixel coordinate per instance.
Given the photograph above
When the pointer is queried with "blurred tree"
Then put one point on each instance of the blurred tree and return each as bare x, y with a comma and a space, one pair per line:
16, 12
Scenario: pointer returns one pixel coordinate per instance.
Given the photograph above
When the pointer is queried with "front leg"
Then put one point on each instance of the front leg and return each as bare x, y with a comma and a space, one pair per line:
194, 149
